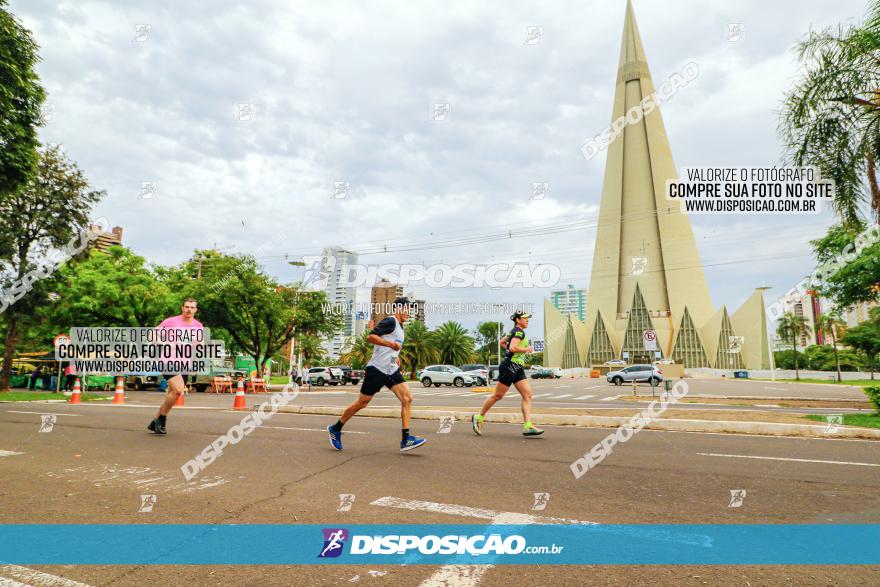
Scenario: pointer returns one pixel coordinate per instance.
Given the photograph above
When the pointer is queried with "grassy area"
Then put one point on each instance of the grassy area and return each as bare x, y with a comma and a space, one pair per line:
29, 396
863, 420
857, 382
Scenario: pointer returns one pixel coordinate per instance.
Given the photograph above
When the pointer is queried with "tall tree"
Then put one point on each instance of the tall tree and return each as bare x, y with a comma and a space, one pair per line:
452, 342
486, 337
418, 348
830, 325
866, 338
791, 327
357, 352
831, 118
21, 97
258, 313
856, 280
48, 215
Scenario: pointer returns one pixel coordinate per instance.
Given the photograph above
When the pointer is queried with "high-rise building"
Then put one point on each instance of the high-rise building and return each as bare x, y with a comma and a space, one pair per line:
382, 296
858, 313
335, 263
648, 296
570, 301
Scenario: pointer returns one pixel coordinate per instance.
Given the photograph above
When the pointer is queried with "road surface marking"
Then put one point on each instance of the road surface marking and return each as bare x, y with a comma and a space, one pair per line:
560, 396
9, 453
609, 399
310, 429
585, 397
541, 395
36, 577
562, 386
712, 454
593, 386
41, 413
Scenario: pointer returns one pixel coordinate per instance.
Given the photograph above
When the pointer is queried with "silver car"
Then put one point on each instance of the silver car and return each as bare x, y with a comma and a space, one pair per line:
647, 373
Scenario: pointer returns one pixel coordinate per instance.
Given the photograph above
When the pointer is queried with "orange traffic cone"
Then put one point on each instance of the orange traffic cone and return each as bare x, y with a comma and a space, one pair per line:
119, 394
180, 395
75, 397
239, 403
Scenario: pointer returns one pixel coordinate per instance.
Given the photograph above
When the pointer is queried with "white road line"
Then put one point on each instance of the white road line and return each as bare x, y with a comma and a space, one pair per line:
585, 397
37, 578
540, 395
9, 453
560, 396
324, 430
594, 386
712, 454
609, 399
562, 386
41, 413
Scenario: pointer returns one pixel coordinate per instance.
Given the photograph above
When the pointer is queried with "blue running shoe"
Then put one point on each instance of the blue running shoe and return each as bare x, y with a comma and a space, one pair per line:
335, 437
411, 442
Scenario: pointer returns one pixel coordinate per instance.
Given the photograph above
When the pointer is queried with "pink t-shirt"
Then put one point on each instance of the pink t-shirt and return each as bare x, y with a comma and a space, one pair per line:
179, 322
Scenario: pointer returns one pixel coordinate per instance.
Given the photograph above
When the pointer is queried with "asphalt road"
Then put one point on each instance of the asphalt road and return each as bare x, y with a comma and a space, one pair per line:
98, 460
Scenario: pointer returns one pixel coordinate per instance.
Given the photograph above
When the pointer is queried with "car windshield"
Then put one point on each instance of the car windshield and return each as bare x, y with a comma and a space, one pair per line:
454, 369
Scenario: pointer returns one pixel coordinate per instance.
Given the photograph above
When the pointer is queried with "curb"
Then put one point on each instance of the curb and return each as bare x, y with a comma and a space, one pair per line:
721, 426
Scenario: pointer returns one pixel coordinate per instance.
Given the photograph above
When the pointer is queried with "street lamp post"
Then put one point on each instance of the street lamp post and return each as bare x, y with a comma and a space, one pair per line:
293, 338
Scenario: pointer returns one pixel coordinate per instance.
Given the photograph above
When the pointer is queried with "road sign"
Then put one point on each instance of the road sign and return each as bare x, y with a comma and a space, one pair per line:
650, 338
61, 339
625, 355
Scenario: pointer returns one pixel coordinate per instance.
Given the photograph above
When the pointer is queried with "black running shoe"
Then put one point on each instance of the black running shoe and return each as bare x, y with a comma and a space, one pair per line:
156, 426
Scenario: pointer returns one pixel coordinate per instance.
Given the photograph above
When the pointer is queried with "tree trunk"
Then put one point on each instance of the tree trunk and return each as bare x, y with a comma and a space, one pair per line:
10, 340
875, 189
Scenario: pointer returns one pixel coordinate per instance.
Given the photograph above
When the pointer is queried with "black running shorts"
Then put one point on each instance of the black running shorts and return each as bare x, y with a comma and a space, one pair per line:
172, 375
375, 380
510, 372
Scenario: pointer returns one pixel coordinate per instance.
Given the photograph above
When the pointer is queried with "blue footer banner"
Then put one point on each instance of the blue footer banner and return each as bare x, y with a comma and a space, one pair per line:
497, 544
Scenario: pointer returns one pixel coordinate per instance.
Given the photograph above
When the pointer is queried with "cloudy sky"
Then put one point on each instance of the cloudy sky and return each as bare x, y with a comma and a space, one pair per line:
344, 92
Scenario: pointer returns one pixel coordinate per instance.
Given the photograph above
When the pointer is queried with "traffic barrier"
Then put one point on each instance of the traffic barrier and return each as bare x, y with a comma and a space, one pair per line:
221, 384
257, 385
119, 394
594, 373
180, 401
75, 396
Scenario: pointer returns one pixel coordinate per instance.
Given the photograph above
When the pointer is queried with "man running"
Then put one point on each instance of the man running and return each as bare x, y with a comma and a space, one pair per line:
383, 370
176, 381
512, 372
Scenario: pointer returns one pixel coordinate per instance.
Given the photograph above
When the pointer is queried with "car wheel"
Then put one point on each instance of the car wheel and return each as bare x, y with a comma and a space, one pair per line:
138, 385
320, 382
655, 381
617, 380
436, 385
458, 382
334, 383
354, 381
426, 382
471, 384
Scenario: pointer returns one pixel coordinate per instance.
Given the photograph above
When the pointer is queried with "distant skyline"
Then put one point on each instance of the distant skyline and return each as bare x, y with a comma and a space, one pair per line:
245, 122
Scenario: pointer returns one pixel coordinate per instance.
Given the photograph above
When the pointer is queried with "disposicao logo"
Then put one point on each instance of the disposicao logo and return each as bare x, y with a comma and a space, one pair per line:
334, 541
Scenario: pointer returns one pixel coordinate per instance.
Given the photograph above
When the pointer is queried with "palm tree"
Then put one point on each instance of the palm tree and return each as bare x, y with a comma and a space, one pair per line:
357, 351
418, 347
453, 344
830, 324
791, 327
311, 349
831, 119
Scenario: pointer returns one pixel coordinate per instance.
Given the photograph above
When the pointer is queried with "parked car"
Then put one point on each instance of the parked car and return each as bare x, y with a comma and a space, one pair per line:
616, 363
479, 372
348, 375
357, 375
142, 381
648, 373
546, 373
438, 375
321, 376
219, 368
664, 362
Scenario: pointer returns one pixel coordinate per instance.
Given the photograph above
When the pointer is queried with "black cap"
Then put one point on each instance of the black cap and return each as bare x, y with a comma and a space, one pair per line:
517, 315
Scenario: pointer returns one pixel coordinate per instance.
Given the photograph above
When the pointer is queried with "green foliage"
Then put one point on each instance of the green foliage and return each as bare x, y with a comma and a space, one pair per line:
873, 393
419, 347
486, 337
855, 281
866, 338
453, 344
357, 352
21, 97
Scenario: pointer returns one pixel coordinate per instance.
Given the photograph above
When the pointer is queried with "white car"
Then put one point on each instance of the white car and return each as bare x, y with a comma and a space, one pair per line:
438, 375
321, 375
616, 363
664, 362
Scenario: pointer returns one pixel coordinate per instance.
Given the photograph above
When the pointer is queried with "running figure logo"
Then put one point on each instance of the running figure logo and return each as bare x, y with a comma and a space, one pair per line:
737, 496
48, 422
346, 500
334, 541
834, 422
445, 424
541, 501
147, 503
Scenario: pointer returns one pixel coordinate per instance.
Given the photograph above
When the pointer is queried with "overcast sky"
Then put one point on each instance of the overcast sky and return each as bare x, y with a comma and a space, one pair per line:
343, 91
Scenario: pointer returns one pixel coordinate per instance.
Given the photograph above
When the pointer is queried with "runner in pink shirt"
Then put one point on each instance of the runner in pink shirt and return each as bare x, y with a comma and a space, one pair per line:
176, 381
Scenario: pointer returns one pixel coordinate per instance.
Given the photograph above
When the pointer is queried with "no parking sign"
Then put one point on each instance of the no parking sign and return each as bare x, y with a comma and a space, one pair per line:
650, 339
